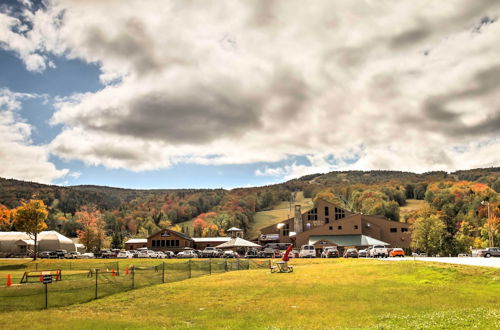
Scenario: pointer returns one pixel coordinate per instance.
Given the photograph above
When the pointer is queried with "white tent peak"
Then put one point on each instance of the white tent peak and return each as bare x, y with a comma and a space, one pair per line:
237, 242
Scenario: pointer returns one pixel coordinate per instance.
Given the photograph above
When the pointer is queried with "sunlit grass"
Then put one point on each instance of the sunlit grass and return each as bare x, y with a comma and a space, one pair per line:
319, 294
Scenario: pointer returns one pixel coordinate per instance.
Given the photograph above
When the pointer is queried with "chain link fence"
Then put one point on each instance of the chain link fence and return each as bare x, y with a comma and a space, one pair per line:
92, 281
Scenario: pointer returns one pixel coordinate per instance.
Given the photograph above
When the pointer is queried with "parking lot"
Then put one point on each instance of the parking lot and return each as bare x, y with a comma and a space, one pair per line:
471, 261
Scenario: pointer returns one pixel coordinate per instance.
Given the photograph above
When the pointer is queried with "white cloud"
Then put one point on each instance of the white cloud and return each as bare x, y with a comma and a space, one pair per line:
19, 158
400, 85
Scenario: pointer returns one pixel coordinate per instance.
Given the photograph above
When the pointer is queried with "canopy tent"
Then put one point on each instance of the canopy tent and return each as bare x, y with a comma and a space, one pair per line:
237, 242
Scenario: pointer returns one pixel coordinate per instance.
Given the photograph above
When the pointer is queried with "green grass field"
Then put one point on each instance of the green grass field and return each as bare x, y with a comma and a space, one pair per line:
333, 293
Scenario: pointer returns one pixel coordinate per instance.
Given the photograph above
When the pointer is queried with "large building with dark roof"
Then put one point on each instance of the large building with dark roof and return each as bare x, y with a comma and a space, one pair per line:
330, 225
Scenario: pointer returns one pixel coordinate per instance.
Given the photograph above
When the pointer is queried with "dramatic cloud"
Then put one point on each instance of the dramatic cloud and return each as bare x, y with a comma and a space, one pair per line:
19, 158
346, 84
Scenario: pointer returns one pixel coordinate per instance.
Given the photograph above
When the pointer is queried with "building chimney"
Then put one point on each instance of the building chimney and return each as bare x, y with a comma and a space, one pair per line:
297, 221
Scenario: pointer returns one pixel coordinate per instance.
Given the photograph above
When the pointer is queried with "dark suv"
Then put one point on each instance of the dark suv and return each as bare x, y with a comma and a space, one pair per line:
48, 255
489, 252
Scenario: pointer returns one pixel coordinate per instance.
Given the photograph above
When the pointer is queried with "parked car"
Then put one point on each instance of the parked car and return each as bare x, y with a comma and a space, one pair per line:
379, 251
307, 251
147, 254
210, 252
125, 255
251, 253
48, 255
267, 253
351, 253
187, 254
397, 252
104, 254
489, 252
134, 253
61, 253
72, 255
88, 255
363, 253
230, 254
169, 254
161, 255
330, 252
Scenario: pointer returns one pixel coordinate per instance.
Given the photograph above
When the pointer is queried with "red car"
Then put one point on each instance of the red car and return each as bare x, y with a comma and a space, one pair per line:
397, 252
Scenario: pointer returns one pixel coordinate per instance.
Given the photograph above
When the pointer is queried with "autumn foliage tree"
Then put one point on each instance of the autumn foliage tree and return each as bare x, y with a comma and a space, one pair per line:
6, 216
30, 217
91, 232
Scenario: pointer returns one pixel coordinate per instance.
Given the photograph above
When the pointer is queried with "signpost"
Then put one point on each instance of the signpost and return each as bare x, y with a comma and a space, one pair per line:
47, 279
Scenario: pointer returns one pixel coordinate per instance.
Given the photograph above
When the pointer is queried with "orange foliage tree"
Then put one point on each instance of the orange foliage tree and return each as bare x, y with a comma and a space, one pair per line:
6, 217
91, 232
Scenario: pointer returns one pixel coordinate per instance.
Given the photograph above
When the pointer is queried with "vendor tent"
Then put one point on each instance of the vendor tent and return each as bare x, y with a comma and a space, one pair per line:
237, 243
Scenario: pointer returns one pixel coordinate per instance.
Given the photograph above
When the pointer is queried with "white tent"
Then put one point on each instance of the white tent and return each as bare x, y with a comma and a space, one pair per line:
18, 243
237, 243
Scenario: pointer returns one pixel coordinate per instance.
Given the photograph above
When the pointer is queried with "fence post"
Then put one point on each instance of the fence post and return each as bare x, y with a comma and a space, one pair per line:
270, 266
238, 263
133, 277
189, 262
210, 266
225, 267
163, 272
46, 296
96, 282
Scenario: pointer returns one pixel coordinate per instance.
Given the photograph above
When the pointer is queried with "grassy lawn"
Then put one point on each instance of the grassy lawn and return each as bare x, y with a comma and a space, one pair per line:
280, 212
319, 294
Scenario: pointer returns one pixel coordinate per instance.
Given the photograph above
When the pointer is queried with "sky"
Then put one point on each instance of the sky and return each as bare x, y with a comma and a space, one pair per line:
211, 94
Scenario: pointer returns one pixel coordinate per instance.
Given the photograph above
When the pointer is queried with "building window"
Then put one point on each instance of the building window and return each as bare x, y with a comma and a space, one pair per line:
286, 230
339, 213
356, 227
340, 227
153, 243
312, 214
327, 211
327, 220
176, 242
404, 230
162, 243
331, 228
394, 230
167, 243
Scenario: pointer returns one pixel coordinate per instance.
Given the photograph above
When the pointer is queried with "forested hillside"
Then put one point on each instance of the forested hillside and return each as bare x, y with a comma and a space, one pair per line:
452, 202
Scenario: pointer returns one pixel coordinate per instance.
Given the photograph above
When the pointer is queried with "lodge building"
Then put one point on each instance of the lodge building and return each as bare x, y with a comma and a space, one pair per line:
169, 240
330, 225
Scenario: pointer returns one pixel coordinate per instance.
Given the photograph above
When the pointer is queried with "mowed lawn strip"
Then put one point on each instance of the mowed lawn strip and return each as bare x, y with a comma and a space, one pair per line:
319, 294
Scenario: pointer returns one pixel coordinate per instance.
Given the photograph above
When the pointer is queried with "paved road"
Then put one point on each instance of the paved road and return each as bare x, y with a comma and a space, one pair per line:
476, 261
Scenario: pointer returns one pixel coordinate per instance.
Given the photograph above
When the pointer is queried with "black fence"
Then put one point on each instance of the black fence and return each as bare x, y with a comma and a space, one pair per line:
104, 279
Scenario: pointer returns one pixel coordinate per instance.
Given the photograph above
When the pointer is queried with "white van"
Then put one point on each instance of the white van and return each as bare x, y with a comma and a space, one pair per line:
307, 251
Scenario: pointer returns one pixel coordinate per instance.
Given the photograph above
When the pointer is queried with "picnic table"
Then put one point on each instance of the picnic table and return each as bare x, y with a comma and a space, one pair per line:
281, 267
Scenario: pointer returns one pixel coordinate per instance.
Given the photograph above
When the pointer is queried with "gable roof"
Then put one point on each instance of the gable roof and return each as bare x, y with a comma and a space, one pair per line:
211, 239
136, 241
347, 240
173, 232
